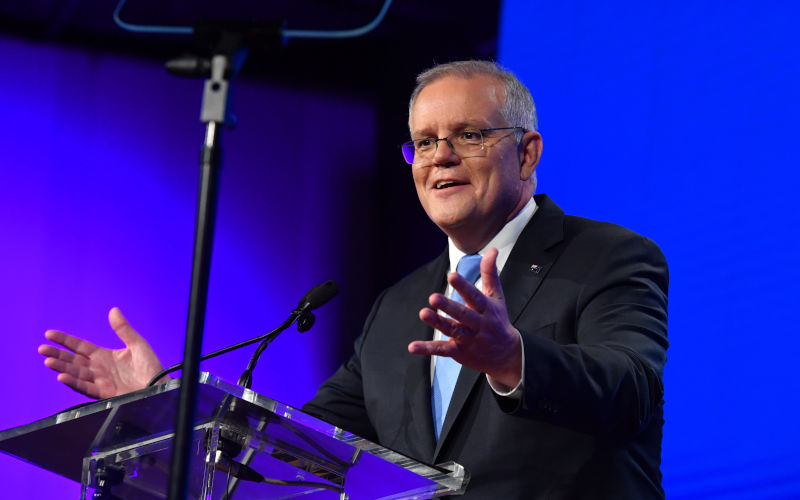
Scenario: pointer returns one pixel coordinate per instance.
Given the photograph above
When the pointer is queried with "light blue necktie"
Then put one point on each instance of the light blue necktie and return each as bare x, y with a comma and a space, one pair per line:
447, 369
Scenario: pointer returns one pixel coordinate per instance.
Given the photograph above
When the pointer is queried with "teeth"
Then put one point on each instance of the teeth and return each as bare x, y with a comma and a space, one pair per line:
441, 184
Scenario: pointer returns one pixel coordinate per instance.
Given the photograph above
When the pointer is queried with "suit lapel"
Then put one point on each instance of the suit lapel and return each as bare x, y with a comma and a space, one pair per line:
526, 267
530, 260
418, 389
467, 378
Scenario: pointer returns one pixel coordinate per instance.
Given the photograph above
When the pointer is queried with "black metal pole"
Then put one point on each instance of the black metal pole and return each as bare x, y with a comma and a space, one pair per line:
213, 114
201, 265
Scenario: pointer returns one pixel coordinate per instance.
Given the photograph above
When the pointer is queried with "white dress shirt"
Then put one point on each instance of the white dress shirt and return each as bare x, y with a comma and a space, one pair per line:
504, 242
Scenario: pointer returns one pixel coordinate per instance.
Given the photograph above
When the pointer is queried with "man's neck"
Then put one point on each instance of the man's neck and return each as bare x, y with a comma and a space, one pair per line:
504, 240
470, 241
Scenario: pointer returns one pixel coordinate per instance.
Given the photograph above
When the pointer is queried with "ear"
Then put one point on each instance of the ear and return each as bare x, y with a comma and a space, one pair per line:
529, 154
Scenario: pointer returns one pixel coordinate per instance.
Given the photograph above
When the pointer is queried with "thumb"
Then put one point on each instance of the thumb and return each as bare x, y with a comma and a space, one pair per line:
123, 329
489, 277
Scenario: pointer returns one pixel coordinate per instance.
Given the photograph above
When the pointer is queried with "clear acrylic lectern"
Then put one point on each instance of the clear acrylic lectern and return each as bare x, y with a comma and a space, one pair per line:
246, 446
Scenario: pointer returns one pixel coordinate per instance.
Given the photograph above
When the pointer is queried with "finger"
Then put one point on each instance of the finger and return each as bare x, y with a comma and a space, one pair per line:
82, 386
76, 371
436, 321
54, 352
489, 278
433, 348
123, 329
458, 312
473, 298
447, 326
74, 344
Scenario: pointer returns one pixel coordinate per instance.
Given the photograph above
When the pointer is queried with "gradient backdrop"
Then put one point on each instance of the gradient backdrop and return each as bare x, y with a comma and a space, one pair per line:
675, 120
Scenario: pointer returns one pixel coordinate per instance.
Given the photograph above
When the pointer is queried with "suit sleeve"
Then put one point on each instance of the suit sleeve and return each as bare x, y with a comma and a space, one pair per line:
340, 399
608, 379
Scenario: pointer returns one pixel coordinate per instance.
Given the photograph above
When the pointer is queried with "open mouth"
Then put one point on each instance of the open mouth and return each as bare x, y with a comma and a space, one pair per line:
447, 184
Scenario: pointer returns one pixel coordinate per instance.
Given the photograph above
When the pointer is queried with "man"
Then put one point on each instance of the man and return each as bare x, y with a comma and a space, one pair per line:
559, 346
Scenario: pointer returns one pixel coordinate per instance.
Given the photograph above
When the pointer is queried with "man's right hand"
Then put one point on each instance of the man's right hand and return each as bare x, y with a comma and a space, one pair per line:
98, 372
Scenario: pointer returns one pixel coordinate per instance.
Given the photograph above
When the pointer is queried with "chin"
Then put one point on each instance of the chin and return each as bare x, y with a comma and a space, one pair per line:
448, 223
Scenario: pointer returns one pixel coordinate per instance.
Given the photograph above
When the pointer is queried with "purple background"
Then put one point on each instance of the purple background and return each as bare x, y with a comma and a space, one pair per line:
100, 174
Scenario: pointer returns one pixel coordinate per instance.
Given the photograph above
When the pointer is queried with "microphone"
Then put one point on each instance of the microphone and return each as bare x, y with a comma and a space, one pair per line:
314, 298
318, 296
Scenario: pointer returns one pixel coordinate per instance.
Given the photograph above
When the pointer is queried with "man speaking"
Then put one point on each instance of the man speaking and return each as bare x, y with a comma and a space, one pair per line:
531, 351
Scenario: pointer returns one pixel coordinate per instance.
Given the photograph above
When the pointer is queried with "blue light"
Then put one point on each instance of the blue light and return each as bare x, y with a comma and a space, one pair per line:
679, 121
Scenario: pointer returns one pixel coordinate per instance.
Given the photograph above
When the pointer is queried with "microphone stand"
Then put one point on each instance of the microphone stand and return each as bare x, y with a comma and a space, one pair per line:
225, 63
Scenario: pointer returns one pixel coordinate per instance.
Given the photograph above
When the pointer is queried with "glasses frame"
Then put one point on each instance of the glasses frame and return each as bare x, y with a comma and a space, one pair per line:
411, 144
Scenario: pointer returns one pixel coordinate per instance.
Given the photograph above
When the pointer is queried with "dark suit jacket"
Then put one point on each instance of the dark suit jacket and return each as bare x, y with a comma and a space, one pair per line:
590, 300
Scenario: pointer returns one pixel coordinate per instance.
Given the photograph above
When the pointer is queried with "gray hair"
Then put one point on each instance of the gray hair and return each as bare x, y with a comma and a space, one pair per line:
518, 108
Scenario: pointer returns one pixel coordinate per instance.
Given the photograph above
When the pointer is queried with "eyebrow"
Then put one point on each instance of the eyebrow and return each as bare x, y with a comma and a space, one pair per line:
424, 133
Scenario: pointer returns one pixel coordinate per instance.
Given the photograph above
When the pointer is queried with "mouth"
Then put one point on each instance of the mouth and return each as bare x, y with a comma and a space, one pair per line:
445, 184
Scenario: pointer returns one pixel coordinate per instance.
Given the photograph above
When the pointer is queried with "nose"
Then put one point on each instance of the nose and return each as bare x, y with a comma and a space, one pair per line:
444, 155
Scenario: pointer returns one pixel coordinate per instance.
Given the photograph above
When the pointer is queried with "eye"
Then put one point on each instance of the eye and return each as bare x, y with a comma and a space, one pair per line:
469, 136
422, 144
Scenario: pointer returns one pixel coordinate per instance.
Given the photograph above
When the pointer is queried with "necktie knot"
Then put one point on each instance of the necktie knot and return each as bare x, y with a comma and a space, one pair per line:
469, 267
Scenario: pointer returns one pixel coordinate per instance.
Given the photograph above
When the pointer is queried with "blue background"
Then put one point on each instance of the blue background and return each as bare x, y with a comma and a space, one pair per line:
679, 120
676, 120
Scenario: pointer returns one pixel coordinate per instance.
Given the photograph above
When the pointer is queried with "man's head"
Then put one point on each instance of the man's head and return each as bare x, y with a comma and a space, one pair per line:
518, 106
472, 194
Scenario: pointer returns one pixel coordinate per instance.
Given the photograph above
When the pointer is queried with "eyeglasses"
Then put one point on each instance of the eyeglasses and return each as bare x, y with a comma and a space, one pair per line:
465, 143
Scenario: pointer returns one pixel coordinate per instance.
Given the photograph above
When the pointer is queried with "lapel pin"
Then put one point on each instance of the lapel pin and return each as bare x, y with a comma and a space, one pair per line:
535, 268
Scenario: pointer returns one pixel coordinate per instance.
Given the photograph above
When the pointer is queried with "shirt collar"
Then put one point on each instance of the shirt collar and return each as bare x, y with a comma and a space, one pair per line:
503, 241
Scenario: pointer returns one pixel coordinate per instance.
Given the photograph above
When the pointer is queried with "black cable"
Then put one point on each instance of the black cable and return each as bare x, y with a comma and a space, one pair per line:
274, 333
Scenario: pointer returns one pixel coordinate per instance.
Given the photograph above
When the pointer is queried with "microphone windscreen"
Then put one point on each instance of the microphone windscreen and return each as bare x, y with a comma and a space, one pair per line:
319, 295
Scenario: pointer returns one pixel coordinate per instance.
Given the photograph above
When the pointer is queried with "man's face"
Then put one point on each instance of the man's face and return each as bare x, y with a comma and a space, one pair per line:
470, 199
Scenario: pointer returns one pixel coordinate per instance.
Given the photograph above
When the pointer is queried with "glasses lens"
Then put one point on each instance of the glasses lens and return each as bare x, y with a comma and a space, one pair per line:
467, 138
408, 152
466, 142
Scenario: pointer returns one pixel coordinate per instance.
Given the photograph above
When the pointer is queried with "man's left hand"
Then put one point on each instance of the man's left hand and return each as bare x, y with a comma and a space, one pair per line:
481, 335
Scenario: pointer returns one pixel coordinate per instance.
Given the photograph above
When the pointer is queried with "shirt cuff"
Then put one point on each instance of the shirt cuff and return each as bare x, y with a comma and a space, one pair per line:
504, 390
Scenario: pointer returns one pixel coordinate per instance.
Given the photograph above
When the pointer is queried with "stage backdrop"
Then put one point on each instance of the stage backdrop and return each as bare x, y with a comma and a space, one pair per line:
679, 120
100, 168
